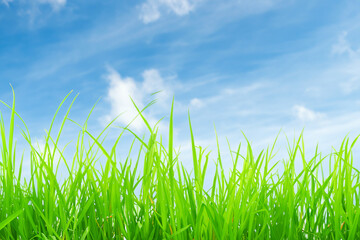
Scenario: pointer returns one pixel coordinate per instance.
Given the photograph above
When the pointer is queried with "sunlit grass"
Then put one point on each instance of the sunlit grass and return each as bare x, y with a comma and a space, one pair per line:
163, 200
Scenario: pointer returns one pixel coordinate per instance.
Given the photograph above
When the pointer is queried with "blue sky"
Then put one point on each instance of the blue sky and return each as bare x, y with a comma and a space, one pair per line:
255, 66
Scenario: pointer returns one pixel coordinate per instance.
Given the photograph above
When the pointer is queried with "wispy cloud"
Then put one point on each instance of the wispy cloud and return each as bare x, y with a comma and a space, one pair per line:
151, 10
350, 85
36, 13
349, 65
342, 46
55, 4
305, 114
227, 93
6, 2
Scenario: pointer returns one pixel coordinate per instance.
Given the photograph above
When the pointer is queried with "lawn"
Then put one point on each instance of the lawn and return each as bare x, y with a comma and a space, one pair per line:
164, 200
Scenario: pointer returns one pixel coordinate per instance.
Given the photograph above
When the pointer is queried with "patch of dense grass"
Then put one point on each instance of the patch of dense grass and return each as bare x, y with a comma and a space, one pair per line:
165, 201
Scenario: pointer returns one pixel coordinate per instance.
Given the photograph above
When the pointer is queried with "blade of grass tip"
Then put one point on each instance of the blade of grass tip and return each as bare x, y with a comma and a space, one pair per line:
137, 137
218, 148
141, 115
12, 123
156, 128
22, 120
354, 142
101, 133
113, 149
249, 150
58, 109
171, 167
154, 93
3, 139
56, 147
80, 153
171, 141
203, 171
127, 126
92, 109
231, 152
195, 164
62, 124
271, 156
98, 144
52, 124
9, 157
105, 173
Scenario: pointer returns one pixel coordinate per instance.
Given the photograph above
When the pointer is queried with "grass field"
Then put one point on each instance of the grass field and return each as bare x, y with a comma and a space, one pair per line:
163, 200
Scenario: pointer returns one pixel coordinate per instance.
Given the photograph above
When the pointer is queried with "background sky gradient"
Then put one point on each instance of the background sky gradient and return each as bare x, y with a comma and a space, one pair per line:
255, 66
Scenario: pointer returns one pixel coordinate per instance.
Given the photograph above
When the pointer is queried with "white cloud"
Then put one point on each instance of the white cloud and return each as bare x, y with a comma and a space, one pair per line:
197, 103
180, 7
121, 89
150, 11
305, 114
153, 82
119, 93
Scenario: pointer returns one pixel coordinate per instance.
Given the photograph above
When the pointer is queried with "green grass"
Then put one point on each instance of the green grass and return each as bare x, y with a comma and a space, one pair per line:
163, 200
